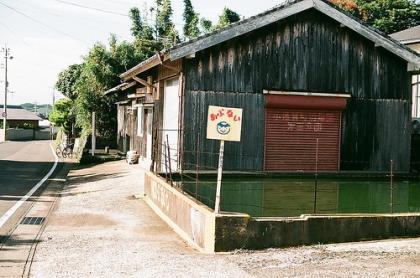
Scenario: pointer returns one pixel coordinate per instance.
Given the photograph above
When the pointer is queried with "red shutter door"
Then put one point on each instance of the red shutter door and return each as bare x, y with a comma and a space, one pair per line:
290, 139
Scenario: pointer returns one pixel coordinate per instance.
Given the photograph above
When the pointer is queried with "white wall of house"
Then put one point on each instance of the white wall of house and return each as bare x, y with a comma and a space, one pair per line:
171, 120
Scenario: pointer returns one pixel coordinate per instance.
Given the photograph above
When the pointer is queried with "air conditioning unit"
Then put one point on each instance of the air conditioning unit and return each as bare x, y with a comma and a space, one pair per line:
415, 126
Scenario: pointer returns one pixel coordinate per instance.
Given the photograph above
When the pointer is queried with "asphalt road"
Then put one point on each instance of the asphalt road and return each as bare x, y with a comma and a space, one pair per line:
22, 166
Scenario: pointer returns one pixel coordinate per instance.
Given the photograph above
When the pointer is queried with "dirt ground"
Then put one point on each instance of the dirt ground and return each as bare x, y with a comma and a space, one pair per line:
100, 229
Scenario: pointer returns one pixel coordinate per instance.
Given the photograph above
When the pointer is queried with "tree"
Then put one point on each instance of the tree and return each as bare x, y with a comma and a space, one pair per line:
206, 25
165, 27
348, 5
227, 17
136, 22
164, 24
67, 79
191, 21
389, 16
62, 114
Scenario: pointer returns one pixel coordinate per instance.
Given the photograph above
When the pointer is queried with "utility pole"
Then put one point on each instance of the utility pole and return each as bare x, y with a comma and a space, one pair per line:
6, 85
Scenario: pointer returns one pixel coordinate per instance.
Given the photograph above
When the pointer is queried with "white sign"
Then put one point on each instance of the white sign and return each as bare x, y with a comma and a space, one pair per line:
224, 123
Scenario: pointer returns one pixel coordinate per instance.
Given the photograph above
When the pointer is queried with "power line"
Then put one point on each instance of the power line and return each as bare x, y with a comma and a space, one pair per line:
91, 8
149, 21
14, 34
42, 23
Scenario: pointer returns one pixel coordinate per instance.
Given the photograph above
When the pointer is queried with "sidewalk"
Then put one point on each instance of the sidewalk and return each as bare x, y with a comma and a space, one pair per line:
100, 230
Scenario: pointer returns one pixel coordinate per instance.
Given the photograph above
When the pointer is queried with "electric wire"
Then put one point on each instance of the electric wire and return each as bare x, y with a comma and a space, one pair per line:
91, 8
42, 23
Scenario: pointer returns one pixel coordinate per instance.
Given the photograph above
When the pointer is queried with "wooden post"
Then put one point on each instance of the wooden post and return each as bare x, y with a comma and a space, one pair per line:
219, 177
93, 133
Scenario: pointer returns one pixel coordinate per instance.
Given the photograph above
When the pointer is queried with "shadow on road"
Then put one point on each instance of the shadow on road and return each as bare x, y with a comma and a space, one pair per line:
17, 178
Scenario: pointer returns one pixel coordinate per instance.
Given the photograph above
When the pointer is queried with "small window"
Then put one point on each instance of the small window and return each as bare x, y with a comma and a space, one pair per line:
140, 121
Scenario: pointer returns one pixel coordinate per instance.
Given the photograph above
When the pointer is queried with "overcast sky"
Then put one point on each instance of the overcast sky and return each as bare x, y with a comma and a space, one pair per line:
45, 36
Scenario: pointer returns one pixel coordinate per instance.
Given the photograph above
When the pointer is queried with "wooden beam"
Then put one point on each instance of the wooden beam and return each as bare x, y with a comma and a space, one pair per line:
142, 81
167, 66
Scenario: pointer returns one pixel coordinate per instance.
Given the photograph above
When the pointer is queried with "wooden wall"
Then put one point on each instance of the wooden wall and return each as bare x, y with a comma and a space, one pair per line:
306, 52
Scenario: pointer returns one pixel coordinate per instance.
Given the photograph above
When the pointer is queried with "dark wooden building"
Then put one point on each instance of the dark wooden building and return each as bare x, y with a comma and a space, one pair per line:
312, 82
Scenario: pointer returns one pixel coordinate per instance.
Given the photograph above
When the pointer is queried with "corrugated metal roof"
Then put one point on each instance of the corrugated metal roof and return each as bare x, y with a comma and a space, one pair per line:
20, 114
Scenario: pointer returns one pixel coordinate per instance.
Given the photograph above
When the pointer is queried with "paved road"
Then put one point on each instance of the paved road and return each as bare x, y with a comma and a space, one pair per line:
22, 165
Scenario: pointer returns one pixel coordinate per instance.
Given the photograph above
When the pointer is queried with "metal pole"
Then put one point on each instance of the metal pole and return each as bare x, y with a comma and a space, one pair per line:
316, 174
219, 177
6, 54
166, 160
392, 187
169, 159
197, 166
93, 133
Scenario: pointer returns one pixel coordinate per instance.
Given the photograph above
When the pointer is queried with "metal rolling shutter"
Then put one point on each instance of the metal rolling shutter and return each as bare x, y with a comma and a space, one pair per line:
290, 134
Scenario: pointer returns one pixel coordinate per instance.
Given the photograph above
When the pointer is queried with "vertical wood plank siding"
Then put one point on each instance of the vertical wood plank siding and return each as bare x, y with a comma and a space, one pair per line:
306, 52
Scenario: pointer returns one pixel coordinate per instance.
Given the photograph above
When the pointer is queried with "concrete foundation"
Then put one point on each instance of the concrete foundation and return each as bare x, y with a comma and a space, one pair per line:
193, 221
209, 232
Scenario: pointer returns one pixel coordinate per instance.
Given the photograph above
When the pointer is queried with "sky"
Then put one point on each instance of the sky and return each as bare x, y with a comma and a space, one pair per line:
46, 36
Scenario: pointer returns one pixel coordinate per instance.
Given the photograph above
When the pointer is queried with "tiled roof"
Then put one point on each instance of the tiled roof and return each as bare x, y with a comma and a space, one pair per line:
16, 113
408, 35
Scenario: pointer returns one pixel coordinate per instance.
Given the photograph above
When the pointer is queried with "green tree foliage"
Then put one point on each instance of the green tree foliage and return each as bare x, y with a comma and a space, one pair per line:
206, 25
145, 44
67, 79
136, 23
63, 114
100, 72
191, 21
164, 26
227, 17
389, 16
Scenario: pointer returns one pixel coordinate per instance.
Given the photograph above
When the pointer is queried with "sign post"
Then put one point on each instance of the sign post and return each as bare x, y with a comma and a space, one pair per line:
224, 124
219, 177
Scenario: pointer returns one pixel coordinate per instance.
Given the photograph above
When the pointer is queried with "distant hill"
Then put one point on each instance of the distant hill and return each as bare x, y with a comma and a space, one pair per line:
42, 110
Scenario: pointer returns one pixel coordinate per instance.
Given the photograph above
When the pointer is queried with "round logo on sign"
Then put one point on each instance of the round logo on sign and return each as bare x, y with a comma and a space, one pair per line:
223, 128
3, 114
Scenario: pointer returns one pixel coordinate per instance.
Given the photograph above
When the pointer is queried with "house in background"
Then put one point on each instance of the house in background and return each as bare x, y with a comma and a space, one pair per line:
18, 117
303, 72
411, 38
23, 125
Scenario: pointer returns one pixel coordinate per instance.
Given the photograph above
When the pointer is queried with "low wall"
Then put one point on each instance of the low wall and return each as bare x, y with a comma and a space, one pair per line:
193, 221
209, 232
16, 134
20, 134
259, 233
44, 134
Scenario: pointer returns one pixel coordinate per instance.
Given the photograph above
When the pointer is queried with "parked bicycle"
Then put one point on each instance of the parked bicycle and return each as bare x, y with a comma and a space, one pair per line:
64, 150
